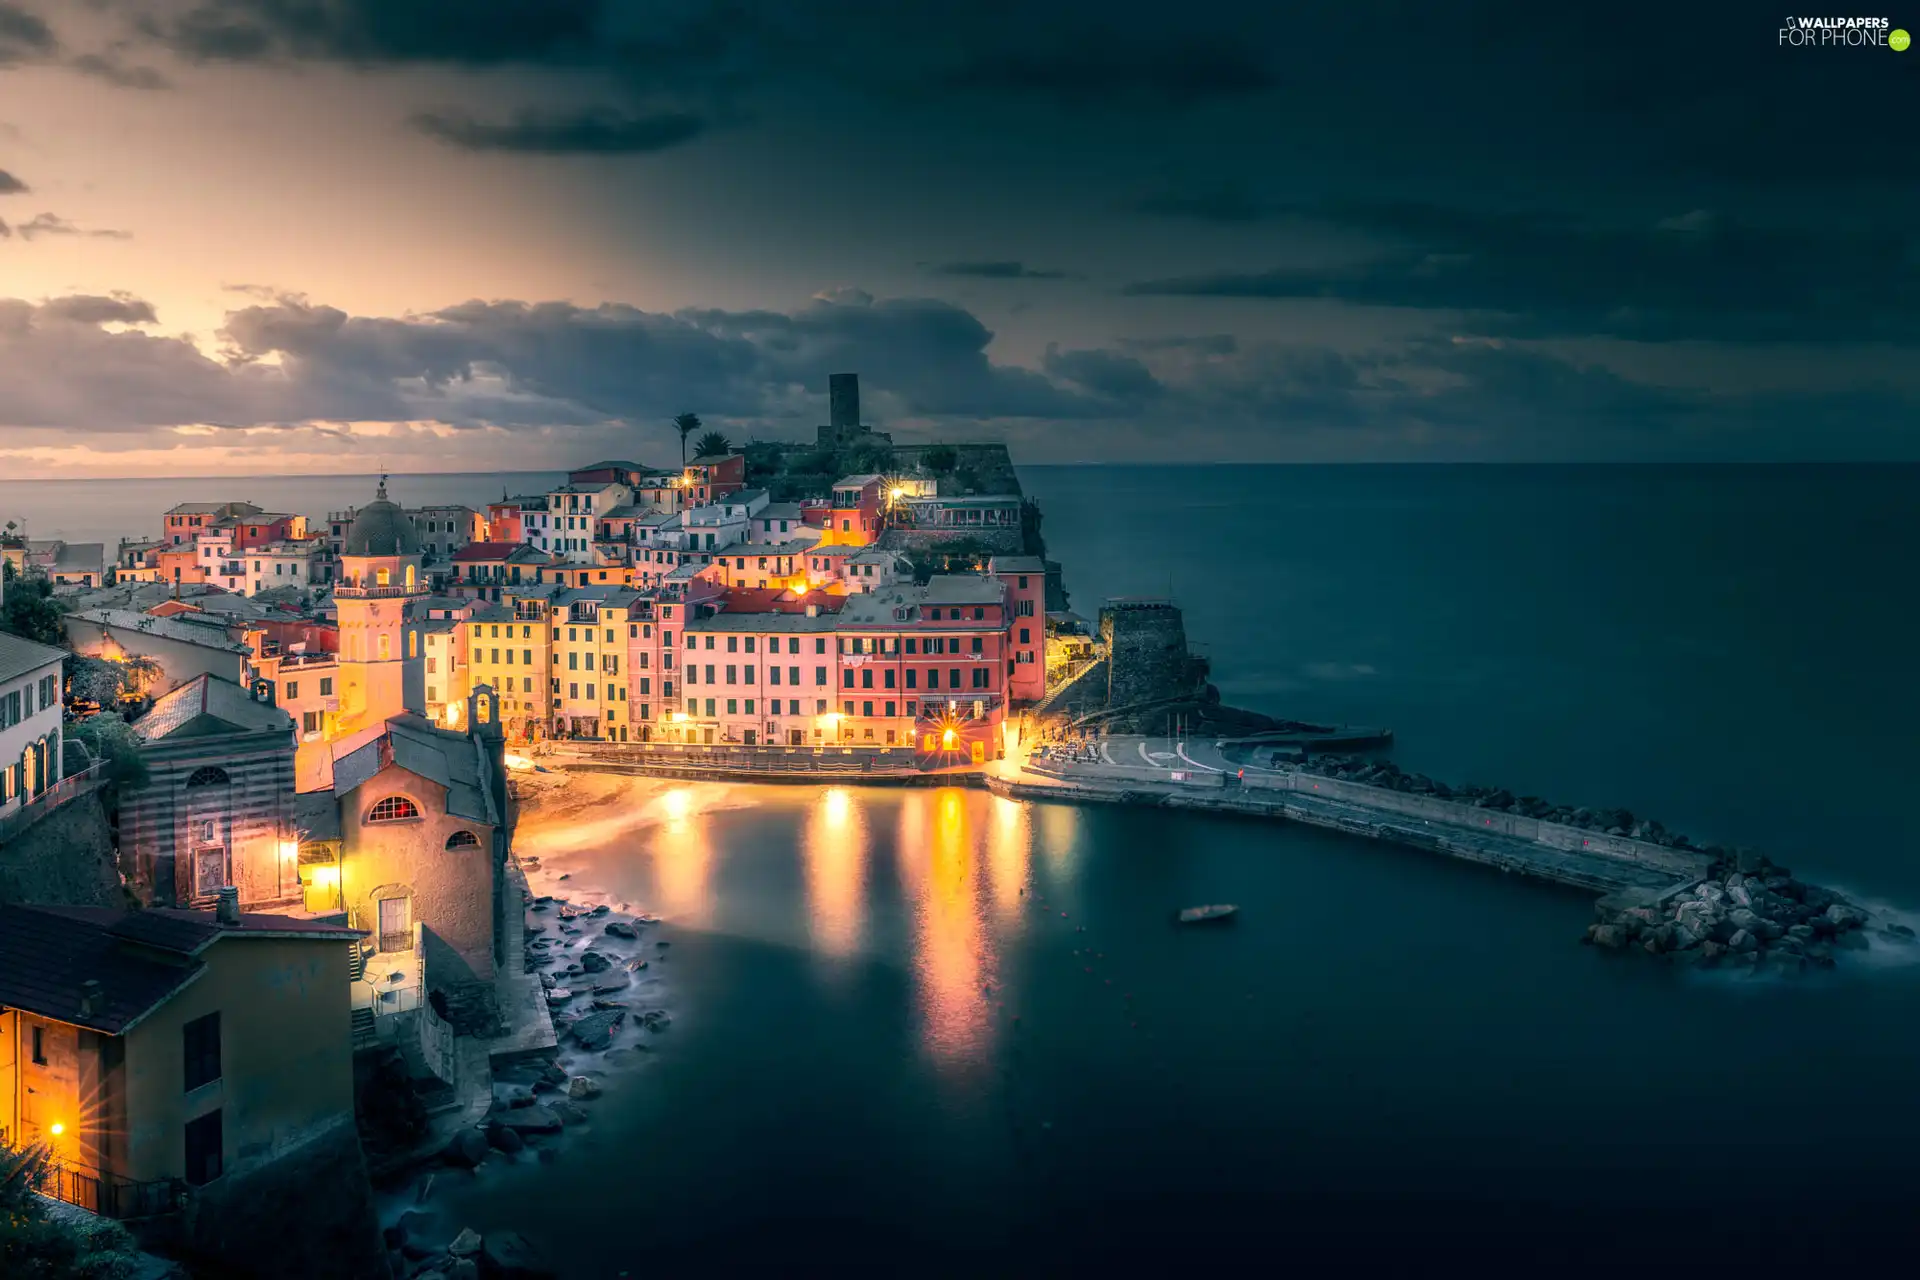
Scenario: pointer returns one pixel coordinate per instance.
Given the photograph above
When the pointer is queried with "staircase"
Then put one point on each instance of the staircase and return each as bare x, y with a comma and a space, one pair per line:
363, 1033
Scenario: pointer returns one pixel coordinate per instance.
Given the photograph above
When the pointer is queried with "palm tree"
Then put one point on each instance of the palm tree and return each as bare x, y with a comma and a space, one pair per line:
711, 445
686, 424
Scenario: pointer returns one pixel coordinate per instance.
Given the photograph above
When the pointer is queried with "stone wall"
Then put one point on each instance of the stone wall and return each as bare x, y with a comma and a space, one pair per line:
999, 539
308, 1212
65, 858
1552, 834
1147, 654
1080, 696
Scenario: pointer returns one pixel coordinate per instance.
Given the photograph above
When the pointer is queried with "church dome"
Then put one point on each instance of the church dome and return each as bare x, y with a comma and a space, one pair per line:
381, 528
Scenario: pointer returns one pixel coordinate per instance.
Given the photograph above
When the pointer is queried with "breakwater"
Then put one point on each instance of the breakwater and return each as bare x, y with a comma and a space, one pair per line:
1707, 907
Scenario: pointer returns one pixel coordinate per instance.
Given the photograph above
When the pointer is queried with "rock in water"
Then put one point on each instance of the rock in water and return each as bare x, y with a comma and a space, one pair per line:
621, 929
466, 1244
594, 962
467, 1149
595, 1030
531, 1120
581, 1089
506, 1255
504, 1139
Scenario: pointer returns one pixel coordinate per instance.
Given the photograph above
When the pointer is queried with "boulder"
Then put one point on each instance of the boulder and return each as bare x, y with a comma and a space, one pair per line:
1742, 941
527, 1120
1846, 916
466, 1244
621, 929
567, 1112
1740, 895
1757, 925
1710, 953
506, 1255
582, 1089
595, 1030
1800, 933
504, 1139
1900, 931
467, 1149
1683, 938
1820, 956
1607, 935
594, 962
554, 1073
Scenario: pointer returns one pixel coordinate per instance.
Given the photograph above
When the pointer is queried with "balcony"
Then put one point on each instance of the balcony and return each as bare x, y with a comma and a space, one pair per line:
109, 1196
353, 591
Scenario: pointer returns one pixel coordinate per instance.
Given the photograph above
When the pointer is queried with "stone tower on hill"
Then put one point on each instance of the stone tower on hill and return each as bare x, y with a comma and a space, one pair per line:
843, 413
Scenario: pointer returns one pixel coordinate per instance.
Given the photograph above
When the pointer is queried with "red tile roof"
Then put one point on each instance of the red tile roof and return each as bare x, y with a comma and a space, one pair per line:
486, 551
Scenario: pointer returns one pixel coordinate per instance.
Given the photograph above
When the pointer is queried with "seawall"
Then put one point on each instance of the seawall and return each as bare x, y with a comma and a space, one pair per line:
1525, 846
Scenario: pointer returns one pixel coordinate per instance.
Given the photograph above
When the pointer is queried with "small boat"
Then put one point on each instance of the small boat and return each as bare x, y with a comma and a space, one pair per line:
1207, 914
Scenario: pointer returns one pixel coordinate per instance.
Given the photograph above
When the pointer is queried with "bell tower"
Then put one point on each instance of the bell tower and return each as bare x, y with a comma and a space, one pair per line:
381, 575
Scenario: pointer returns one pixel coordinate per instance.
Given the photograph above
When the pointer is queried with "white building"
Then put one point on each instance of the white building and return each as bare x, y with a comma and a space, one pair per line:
214, 548
30, 743
285, 564
571, 519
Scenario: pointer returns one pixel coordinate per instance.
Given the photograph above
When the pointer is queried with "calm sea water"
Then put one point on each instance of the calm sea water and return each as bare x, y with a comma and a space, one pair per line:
1387, 1053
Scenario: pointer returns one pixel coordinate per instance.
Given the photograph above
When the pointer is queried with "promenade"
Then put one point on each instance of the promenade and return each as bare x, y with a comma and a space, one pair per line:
1199, 774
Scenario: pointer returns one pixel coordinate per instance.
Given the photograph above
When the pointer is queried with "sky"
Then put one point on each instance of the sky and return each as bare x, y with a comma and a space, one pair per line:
320, 236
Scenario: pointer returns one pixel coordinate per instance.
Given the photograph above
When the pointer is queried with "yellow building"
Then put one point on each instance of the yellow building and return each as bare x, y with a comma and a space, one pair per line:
509, 648
588, 626
161, 1050
380, 578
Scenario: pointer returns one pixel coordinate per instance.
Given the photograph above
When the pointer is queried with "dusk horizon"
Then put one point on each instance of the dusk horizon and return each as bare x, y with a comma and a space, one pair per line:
518, 231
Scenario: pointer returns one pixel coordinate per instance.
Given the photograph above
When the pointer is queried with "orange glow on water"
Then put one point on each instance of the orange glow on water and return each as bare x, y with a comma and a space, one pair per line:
950, 959
834, 851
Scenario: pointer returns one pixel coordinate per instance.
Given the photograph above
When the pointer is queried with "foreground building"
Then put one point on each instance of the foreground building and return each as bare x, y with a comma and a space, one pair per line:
159, 1050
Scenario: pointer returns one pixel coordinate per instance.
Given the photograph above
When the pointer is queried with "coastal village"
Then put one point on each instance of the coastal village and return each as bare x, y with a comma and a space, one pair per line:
266, 943
263, 927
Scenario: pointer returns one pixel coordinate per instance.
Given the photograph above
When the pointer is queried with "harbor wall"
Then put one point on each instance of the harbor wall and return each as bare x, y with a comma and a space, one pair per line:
1552, 835
1555, 835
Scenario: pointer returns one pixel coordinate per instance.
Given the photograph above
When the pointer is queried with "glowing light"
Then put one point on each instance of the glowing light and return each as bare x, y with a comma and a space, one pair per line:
518, 763
678, 717
57, 1129
325, 876
677, 803
836, 806
800, 590
947, 740
898, 493
830, 719
453, 713
289, 850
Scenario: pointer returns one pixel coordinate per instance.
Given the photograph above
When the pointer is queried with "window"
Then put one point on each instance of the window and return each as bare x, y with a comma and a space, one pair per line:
1026, 636
40, 1046
820, 645
981, 676
208, 776
326, 686
293, 690
889, 679
310, 722
393, 809
463, 840
973, 645
866, 708
866, 677
912, 676
200, 1040
204, 1146
386, 647
573, 690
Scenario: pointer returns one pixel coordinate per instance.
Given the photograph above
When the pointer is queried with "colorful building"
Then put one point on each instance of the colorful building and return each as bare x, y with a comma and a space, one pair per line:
1025, 578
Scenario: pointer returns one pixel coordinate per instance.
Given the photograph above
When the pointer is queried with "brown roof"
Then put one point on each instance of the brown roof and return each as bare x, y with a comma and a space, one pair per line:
47, 957
486, 551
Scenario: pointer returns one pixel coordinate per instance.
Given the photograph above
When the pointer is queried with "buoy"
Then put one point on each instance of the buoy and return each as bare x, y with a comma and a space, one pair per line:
1063, 915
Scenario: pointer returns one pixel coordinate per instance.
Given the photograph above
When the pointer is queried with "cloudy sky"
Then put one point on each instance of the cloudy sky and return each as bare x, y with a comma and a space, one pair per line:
307, 235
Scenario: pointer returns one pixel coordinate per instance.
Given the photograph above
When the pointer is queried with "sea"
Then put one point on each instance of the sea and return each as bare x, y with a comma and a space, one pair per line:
933, 1032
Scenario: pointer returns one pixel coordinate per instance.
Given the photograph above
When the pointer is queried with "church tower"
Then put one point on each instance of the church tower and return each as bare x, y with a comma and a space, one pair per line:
381, 574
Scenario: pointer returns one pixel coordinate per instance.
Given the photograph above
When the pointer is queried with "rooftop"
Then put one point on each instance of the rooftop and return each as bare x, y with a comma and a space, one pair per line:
855, 482
19, 657
167, 628
1017, 564
206, 698
409, 742
49, 954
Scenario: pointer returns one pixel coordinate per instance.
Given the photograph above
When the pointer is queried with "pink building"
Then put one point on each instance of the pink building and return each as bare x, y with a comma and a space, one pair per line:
1025, 578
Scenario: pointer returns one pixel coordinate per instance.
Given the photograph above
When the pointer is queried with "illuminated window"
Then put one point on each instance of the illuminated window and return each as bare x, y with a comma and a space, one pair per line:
463, 840
208, 777
393, 809
382, 578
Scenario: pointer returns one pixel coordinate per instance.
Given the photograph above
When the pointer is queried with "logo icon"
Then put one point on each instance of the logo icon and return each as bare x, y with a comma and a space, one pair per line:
1899, 40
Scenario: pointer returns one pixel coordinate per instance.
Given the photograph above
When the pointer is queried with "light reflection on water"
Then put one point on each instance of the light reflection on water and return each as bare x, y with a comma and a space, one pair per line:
834, 847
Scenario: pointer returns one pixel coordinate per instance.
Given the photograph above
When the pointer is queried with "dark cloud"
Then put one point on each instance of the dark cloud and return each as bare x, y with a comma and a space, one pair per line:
24, 37
120, 308
375, 32
597, 131
110, 68
1207, 344
1119, 378
1007, 270
48, 224
11, 186
1697, 275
